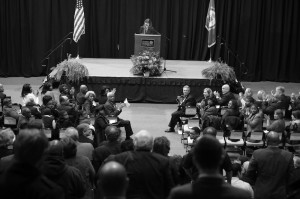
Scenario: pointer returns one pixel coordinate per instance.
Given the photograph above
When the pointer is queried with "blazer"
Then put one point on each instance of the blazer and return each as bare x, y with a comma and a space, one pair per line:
254, 122
189, 101
225, 99
209, 187
272, 168
111, 109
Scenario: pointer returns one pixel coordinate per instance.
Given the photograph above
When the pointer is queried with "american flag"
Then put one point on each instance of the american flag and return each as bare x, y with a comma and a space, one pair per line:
79, 27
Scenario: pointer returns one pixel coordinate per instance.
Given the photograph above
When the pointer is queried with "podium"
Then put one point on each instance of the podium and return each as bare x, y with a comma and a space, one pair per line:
146, 42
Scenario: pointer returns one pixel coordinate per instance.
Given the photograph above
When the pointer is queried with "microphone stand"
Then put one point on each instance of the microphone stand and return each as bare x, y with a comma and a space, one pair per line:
168, 40
235, 55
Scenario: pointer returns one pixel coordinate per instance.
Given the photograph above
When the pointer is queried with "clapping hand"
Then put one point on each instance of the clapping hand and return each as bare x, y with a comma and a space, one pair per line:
122, 105
217, 94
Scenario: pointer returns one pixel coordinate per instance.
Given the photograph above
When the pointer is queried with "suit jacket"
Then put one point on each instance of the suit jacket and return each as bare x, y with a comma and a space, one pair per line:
188, 101
254, 122
150, 31
272, 168
111, 109
225, 99
102, 152
209, 187
149, 174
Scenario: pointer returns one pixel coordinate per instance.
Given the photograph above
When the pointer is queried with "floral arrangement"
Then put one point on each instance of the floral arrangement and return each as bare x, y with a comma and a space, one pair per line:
147, 62
73, 69
220, 69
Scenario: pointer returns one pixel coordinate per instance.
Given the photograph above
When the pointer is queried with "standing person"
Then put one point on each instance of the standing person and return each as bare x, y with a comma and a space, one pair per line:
149, 173
147, 28
23, 179
270, 169
111, 109
183, 101
208, 156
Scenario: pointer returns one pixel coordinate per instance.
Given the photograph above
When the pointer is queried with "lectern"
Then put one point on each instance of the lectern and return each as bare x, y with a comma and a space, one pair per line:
146, 42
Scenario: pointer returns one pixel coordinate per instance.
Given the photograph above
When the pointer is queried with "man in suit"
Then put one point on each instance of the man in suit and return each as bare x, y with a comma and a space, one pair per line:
272, 168
226, 95
112, 109
183, 101
149, 173
106, 148
208, 156
147, 28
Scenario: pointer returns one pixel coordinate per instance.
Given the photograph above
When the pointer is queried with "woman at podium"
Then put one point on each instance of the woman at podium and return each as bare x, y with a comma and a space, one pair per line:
147, 28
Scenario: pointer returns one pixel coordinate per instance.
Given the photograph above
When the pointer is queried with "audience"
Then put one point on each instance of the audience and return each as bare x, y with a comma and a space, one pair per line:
27, 94
23, 178
111, 109
270, 169
7, 138
9, 110
80, 97
111, 146
226, 95
82, 163
89, 104
84, 149
67, 177
183, 101
149, 173
236, 179
278, 125
208, 156
112, 181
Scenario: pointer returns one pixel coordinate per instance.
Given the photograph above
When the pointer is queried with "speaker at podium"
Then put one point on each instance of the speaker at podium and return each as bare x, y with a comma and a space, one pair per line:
147, 42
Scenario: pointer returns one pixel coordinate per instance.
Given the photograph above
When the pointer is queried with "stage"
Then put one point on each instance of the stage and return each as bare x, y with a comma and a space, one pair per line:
163, 89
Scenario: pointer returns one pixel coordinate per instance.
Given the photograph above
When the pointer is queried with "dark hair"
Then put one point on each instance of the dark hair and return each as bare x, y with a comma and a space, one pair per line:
208, 153
46, 87
161, 145
25, 90
103, 90
148, 21
236, 167
279, 113
69, 146
234, 104
197, 130
30, 146
61, 88
46, 99
127, 145
296, 114
6, 101
55, 84
112, 133
47, 111
35, 124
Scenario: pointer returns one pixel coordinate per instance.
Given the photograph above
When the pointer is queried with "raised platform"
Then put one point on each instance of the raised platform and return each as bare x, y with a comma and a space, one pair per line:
163, 89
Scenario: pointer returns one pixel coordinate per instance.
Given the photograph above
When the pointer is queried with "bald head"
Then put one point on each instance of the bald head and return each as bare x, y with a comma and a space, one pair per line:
273, 138
143, 140
112, 180
210, 131
83, 89
225, 88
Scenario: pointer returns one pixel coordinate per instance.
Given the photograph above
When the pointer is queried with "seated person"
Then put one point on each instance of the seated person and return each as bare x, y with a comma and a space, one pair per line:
209, 109
184, 100
254, 121
64, 120
80, 97
65, 91
261, 99
295, 102
2, 95
85, 133
45, 100
248, 94
147, 28
101, 122
52, 105
34, 108
7, 138
111, 109
294, 126
232, 110
8, 110
278, 125
103, 93
226, 95
231, 117
246, 110
89, 104
203, 101
66, 105
25, 118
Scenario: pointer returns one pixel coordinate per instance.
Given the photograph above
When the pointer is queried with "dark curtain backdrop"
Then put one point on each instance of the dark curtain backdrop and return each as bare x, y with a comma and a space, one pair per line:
260, 34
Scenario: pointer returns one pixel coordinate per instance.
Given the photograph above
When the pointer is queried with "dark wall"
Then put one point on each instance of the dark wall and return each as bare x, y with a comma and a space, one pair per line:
263, 34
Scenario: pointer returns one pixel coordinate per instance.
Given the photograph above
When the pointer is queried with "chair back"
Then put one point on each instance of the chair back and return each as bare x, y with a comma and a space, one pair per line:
236, 135
257, 135
9, 121
295, 136
48, 132
112, 120
190, 111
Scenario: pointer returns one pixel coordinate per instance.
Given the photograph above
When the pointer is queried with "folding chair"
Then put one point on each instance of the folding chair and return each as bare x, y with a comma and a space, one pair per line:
235, 143
256, 139
220, 137
9, 122
294, 141
190, 111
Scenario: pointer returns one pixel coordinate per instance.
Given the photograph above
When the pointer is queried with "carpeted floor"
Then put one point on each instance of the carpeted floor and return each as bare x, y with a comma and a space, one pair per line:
152, 117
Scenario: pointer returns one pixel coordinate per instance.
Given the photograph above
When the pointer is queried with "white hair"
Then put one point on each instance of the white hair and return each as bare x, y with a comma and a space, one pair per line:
143, 140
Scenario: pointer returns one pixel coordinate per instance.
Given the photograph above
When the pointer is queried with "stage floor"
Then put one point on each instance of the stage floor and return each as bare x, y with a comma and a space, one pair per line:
121, 68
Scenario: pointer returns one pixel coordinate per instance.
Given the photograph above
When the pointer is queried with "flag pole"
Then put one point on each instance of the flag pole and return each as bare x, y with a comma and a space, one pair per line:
78, 49
210, 60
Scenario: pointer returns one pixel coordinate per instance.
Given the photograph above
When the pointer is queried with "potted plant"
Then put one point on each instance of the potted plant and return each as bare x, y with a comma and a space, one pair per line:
147, 63
221, 71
